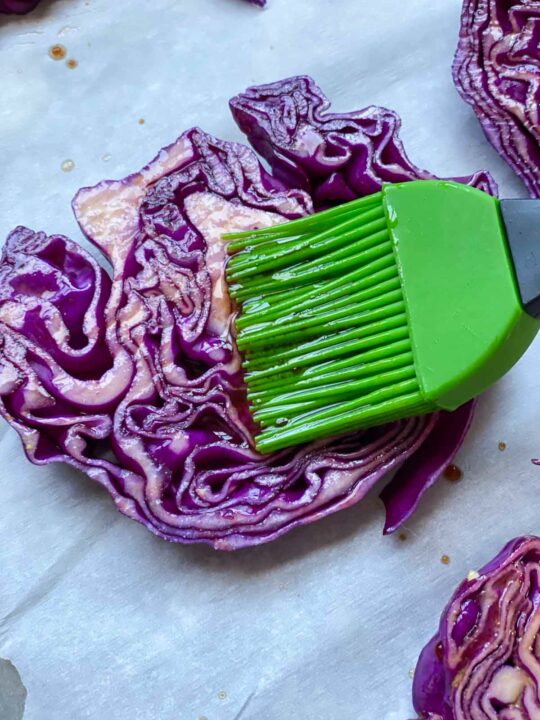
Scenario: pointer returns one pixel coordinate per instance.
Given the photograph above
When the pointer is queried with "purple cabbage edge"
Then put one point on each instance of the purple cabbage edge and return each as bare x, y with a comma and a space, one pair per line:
132, 375
483, 661
21, 7
17, 7
497, 71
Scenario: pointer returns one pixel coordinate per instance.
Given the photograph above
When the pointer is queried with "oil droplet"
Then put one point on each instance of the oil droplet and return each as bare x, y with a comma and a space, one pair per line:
402, 536
141, 121
502, 446
67, 165
411, 673
222, 695
439, 651
57, 52
445, 559
72, 64
453, 473
473, 575
280, 422
106, 157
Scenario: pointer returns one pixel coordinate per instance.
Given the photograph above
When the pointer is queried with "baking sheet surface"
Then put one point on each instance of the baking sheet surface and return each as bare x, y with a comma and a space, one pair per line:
101, 619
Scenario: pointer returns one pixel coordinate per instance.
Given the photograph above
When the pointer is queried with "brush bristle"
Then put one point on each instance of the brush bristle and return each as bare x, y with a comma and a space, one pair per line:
323, 325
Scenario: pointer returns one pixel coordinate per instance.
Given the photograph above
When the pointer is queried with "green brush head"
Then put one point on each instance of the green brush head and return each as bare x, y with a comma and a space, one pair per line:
393, 305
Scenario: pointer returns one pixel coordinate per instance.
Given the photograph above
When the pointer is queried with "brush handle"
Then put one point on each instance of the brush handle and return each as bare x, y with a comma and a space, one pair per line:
521, 219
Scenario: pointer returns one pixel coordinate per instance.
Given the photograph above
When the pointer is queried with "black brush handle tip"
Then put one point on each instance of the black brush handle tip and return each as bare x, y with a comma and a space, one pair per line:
521, 219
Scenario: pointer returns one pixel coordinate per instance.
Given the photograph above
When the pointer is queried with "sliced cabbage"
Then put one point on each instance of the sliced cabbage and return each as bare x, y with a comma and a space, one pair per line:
484, 661
335, 157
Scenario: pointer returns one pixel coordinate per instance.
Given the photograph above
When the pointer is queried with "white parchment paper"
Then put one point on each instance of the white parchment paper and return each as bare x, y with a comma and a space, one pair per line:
105, 621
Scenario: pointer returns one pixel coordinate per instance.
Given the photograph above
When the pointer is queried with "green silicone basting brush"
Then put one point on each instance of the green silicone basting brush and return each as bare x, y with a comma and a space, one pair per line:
408, 301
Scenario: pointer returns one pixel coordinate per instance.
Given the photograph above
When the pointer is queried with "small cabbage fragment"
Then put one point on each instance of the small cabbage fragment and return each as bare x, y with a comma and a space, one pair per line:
17, 7
484, 661
497, 71
135, 378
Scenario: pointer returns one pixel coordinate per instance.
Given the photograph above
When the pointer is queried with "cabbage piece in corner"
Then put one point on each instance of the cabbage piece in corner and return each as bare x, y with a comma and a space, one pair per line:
135, 379
497, 71
17, 7
483, 661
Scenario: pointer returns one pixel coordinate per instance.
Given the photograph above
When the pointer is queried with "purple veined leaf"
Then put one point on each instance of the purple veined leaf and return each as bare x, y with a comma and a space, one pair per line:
403, 493
497, 71
337, 157
483, 661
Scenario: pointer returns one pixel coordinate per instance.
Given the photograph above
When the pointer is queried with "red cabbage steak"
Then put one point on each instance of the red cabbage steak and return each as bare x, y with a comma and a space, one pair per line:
17, 7
484, 661
134, 377
497, 71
